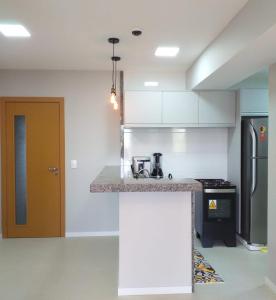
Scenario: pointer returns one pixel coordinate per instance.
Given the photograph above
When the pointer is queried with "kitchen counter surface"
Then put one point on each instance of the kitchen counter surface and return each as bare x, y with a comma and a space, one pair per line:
109, 180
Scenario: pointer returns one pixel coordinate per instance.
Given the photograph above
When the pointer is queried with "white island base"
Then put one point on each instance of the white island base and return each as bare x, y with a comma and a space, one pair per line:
155, 245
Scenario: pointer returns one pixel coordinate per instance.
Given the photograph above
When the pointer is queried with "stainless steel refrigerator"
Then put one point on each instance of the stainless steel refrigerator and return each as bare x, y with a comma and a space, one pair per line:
254, 151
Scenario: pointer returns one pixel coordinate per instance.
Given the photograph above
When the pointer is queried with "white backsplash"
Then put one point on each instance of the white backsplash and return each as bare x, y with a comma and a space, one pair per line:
187, 153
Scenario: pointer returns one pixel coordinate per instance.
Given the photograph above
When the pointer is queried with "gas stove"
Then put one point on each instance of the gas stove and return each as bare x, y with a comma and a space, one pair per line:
216, 183
215, 212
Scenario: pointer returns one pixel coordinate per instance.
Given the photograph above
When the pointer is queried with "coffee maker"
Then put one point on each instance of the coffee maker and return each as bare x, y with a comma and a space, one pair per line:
157, 171
141, 166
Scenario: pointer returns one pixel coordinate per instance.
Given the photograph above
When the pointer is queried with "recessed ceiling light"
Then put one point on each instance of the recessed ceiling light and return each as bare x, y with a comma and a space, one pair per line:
14, 30
167, 51
151, 83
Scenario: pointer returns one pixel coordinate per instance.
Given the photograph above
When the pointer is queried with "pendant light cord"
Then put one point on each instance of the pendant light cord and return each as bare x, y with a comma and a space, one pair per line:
115, 75
113, 68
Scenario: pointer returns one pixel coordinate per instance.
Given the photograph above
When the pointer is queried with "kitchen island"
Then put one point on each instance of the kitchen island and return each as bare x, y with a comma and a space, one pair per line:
156, 232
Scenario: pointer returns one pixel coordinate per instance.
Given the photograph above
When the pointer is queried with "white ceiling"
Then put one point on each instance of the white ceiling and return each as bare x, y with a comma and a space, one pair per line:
72, 34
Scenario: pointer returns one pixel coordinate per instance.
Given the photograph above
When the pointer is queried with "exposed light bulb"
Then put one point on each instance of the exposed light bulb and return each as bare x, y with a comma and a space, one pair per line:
115, 105
113, 98
113, 95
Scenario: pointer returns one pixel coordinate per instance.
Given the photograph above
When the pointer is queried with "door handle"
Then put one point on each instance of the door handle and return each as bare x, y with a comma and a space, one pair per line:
254, 176
53, 170
253, 159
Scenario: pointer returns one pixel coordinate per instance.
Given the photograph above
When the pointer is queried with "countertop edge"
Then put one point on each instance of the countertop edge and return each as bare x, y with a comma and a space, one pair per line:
109, 181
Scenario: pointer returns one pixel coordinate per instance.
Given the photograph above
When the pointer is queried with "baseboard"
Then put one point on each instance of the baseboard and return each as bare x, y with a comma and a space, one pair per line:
270, 284
155, 291
92, 233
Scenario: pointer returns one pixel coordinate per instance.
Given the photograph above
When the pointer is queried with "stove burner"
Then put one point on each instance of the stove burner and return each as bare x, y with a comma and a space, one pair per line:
214, 182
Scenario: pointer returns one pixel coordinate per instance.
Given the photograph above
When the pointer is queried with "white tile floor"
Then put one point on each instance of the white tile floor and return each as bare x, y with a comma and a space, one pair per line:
86, 269
243, 272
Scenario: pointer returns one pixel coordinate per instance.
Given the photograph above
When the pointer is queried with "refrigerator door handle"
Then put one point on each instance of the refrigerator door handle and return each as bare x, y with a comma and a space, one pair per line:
254, 159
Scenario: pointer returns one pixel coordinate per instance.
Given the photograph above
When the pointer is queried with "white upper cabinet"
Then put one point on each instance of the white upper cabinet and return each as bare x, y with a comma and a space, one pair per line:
180, 108
187, 109
254, 101
217, 108
143, 107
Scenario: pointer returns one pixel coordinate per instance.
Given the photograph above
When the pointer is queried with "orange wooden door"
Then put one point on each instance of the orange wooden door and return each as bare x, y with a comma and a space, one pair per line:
34, 168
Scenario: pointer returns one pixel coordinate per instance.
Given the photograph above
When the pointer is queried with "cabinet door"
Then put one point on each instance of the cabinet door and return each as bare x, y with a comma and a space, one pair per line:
217, 108
143, 107
254, 101
180, 108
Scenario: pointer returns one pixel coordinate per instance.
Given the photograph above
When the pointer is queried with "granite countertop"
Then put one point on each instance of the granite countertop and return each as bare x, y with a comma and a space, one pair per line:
109, 180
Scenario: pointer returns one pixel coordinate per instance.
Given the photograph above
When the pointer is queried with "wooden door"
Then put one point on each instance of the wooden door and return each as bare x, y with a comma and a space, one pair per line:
34, 152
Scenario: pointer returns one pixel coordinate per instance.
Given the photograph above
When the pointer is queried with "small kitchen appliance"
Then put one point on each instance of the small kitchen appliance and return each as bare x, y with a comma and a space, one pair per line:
157, 170
215, 212
141, 165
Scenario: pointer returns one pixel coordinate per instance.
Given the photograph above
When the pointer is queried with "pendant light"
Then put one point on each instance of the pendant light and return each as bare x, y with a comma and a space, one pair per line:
115, 59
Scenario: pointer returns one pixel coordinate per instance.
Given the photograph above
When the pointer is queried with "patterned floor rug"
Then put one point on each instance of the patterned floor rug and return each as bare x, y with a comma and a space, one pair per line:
203, 271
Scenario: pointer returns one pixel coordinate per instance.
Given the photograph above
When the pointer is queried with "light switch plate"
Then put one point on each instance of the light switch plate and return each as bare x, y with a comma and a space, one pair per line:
74, 164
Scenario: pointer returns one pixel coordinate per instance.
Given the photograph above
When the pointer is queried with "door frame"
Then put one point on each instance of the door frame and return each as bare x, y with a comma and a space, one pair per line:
4, 210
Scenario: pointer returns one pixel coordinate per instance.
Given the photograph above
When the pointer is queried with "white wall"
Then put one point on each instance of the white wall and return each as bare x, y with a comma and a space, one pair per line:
234, 159
168, 81
187, 153
92, 136
272, 177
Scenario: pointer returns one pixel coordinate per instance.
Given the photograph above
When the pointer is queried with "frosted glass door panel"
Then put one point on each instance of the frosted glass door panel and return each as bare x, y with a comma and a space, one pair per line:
20, 170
